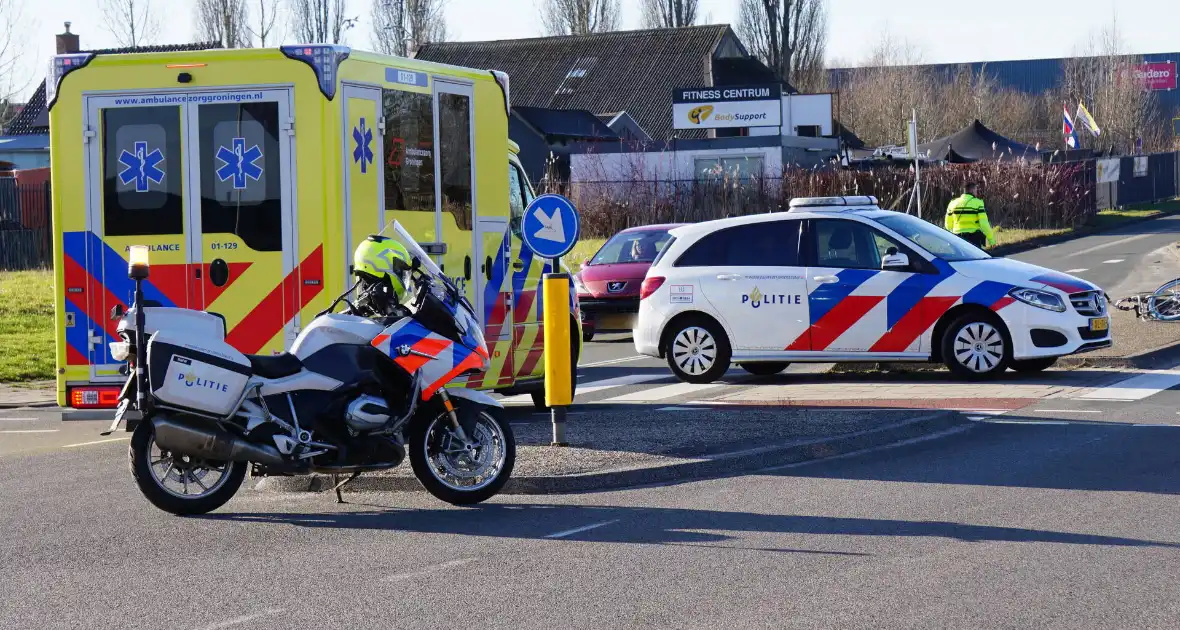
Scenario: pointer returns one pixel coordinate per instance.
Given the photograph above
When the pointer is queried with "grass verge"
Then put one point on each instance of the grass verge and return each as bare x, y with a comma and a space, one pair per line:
26, 326
581, 252
1104, 220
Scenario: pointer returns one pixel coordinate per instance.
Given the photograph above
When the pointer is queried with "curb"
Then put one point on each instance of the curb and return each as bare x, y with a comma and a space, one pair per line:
714, 466
25, 405
1041, 241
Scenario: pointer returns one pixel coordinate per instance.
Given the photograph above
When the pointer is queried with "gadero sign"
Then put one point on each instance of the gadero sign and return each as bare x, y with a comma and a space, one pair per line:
727, 106
1156, 76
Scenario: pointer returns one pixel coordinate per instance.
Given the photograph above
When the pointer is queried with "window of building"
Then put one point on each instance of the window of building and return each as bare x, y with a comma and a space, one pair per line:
808, 131
409, 151
740, 167
454, 136
763, 244
241, 184
576, 75
142, 171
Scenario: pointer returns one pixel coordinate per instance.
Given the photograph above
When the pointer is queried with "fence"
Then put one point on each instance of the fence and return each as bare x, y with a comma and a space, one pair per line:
26, 231
1018, 194
1124, 181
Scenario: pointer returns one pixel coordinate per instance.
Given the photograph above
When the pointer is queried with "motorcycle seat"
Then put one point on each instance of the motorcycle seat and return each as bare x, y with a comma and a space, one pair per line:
275, 366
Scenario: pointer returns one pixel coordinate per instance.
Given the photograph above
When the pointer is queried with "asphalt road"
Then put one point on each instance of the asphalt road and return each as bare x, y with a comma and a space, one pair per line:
1065, 518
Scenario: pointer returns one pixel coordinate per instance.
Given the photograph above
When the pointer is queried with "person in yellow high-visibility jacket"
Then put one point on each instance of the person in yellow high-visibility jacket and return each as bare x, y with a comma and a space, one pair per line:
966, 217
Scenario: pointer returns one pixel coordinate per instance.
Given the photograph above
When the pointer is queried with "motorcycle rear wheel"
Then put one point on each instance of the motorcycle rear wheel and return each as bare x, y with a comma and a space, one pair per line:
457, 475
213, 483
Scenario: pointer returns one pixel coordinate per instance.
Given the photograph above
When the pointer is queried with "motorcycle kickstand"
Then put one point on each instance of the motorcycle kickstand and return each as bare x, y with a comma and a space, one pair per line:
340, 486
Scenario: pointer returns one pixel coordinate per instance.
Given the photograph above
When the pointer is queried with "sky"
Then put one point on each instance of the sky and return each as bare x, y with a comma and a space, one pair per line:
940, 30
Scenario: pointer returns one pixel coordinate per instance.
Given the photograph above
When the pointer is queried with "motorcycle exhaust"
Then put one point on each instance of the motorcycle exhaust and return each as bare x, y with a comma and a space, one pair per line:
209, 442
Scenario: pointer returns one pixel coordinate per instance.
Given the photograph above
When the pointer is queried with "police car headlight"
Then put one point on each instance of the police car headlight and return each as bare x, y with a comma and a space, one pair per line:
1039, 299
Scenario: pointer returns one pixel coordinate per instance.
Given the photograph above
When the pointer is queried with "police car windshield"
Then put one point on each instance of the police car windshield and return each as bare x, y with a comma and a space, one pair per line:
932, 238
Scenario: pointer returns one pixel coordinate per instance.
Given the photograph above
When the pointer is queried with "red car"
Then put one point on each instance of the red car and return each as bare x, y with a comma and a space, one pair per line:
608, 284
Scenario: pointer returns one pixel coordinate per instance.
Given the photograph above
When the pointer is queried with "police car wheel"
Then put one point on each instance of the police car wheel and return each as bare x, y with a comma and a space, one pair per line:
764, 369
698, 351
976, 346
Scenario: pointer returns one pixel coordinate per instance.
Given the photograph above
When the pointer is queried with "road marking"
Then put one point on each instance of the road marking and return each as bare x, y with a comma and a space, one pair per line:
435, 568
237, 621
1137, 387
584, 528
1113, 243
996, 421
18, 419
118, 439
614, 361
592, 386
29, 431
1080, 270
660, 393
1069, 410
1113, 261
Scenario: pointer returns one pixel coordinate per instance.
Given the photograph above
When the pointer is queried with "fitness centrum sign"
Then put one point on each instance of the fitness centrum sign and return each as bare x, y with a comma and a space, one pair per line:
727, 106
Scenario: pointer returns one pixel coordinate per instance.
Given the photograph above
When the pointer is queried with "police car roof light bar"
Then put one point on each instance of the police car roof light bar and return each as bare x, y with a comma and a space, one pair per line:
820, 202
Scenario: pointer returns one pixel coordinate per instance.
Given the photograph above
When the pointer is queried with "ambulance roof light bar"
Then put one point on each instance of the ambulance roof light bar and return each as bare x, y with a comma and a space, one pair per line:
832, 202
324, 60
59, 67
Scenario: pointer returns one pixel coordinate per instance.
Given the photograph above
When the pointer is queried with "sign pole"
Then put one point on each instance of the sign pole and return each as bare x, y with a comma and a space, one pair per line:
558, 369
550, 229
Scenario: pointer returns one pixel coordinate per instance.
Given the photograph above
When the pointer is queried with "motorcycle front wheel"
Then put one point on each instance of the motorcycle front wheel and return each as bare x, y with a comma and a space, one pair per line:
180, 484
463, 473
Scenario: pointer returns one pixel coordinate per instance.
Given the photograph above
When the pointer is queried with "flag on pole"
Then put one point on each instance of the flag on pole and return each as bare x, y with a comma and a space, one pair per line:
1088, 121
1068, 130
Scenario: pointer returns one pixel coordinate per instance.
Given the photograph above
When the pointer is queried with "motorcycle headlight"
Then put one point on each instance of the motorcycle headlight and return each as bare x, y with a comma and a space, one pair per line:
120, 350
1039, 299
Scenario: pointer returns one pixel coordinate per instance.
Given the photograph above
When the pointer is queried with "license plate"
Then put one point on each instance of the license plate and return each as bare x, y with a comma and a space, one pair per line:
1098, 324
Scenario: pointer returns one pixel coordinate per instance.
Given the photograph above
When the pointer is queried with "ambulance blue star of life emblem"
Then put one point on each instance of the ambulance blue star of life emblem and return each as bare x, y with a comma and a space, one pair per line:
363, 152
239, 163
141, 167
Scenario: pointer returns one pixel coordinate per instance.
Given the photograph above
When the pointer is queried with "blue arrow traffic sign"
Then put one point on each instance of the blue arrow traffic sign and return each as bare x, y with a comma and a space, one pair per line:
551, 226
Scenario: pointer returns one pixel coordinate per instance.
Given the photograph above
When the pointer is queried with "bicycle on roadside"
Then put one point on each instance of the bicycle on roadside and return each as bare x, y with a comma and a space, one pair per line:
1163, 304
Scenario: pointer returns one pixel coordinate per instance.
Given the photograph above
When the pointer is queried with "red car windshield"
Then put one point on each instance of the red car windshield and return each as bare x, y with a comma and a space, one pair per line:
632, 247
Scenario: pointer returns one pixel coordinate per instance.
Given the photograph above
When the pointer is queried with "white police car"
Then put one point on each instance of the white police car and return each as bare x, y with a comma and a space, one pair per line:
839, 279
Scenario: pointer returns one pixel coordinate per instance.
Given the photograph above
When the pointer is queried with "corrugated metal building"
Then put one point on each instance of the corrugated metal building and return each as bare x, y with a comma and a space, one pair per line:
1035, 76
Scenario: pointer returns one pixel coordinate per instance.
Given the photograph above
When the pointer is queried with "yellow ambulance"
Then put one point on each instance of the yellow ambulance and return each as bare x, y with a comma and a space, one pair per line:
252, 175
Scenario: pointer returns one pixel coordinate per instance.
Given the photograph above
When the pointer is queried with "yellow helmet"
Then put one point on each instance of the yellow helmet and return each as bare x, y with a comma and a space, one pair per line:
382, 258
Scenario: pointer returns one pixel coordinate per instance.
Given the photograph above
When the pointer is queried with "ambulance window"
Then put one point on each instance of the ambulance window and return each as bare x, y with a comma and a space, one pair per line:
454, 137
515, 198
142, 171
241, 185
409, 145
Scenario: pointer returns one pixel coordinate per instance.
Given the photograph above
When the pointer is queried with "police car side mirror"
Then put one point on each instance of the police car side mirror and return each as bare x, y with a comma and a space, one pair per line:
895, 261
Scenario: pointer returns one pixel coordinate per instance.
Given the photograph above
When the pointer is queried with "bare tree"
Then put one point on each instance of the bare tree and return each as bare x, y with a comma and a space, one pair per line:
12, 49
580, 17
224, 21
1103, 77
669, 13
401, 26
131, 22
320, 21
262, 24
790, 36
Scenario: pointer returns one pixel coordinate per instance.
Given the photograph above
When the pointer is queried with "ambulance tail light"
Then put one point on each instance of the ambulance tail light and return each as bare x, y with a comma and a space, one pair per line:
324, 60
94, 397
59, 67
502, 80
650, 285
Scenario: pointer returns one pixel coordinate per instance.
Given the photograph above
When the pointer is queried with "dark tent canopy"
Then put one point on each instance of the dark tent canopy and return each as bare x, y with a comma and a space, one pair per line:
974, 143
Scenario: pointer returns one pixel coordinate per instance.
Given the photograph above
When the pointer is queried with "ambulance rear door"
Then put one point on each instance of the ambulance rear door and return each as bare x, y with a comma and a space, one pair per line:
240, 166
135, 192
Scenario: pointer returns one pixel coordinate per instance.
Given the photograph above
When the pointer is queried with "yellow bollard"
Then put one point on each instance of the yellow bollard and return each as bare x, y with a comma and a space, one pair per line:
559, 376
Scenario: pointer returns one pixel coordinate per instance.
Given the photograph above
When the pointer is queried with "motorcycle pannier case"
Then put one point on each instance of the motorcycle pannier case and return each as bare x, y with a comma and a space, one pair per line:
207, 376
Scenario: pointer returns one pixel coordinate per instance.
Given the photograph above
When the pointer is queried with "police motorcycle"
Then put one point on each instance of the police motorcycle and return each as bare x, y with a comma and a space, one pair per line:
357, 391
